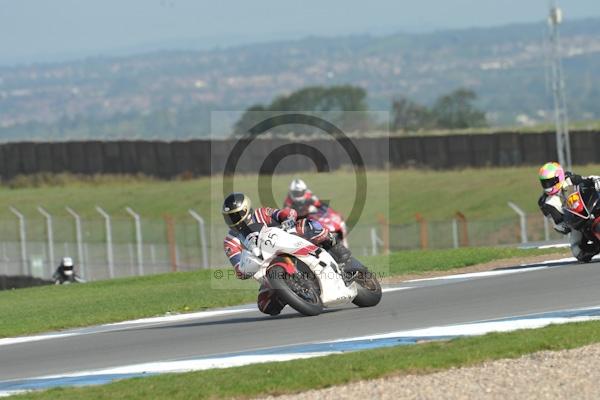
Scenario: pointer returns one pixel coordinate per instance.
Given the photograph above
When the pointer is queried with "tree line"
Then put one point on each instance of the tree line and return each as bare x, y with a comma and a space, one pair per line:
346, 106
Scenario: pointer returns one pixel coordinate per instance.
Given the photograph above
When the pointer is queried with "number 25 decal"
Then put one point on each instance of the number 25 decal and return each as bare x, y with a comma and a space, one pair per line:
271, 239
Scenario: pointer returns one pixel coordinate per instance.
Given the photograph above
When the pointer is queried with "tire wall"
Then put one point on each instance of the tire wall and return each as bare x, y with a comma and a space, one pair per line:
193, 158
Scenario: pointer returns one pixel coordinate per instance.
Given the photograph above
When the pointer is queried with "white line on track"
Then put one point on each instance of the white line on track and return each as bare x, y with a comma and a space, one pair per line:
183, 317
124, 324
26, 339
190, 365
12, 392
479, 274
520, 269
474, 329
395, 288
147, 322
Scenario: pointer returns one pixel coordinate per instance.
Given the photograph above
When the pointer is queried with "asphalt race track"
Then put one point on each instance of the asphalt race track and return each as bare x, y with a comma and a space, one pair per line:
421, 304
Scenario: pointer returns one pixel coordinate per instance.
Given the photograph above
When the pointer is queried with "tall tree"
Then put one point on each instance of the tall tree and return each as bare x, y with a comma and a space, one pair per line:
457, 111
333, 103
409, 116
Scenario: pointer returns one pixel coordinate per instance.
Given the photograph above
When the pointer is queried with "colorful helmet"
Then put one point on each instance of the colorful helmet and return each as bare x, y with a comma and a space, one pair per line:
297, 190
551, 177
237, 210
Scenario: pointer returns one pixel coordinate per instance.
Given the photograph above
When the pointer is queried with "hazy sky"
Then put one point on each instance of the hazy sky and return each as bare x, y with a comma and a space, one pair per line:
54, 30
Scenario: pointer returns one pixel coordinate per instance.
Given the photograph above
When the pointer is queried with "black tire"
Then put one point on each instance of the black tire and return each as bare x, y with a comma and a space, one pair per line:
369, 289
287, 285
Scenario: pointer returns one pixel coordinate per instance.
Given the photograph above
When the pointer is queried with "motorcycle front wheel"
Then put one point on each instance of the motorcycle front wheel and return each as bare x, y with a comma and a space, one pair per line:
297, 290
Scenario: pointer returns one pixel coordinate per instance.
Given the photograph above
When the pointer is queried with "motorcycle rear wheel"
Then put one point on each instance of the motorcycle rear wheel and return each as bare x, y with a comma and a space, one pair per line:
298, 291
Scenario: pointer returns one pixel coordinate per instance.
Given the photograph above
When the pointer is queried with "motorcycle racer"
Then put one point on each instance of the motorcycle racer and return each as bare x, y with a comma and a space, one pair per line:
65, 272
555, 181
238, 215
301, 199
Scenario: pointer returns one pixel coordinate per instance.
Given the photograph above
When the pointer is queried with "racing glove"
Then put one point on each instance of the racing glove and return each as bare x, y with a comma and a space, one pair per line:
596, 180
251, 243
289, 225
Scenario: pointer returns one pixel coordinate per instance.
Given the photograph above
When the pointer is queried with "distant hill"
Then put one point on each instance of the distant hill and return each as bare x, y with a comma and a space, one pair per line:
170, 94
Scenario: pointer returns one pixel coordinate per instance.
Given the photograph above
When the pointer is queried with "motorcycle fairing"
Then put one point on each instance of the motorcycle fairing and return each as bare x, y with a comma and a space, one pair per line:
275, 241
575, 203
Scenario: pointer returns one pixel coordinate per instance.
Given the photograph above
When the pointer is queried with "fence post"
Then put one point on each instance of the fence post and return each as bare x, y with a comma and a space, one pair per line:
455, 243
202, 236
464, 233
109, 246
385, 229
546, 229
423, 234
138, 239
170, 224
22, 240
79, 239
375, 241
522, 218
49, 235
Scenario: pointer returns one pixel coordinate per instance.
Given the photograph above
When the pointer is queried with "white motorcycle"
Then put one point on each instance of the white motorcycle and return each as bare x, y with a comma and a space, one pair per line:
305, 276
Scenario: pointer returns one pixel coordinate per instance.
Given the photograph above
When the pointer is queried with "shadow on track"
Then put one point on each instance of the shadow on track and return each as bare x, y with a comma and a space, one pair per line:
240, 320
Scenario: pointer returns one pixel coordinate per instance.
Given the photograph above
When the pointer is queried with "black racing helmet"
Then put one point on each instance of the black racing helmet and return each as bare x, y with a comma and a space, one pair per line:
237, 210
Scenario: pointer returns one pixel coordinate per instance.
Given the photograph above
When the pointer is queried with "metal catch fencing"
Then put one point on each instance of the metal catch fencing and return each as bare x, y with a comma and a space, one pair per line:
108, 246
105, 246
454, 233
102, 247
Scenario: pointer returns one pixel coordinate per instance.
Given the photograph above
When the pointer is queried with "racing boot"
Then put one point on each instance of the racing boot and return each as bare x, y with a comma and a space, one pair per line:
268, 302
338, 251
588, 251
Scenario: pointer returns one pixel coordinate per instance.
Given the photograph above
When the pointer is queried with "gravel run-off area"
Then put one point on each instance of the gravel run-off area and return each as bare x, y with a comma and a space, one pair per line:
567, 374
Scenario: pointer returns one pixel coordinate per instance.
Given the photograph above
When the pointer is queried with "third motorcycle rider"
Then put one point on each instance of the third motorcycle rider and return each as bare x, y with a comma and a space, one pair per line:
555, 181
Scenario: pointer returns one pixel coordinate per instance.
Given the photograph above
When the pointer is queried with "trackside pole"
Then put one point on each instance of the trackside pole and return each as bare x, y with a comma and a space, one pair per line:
22, 240
202, 236
423, 231
79, 239
50, 236
109, 246
462, 229
138, 239
385, 232
546, 229
455, 233
172, 245
522, 218
375, 241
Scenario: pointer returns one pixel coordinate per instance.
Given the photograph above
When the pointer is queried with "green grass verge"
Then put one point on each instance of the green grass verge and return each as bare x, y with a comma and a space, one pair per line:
301, 375
478, 193
418, 261
40, 309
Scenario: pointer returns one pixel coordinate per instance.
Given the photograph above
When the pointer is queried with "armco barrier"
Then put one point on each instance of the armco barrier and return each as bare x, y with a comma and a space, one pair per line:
205, 157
